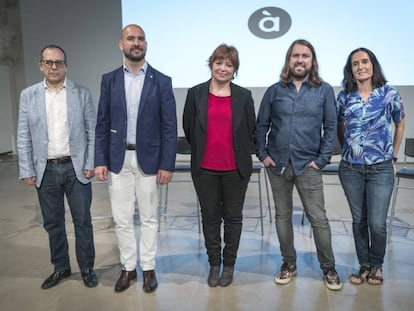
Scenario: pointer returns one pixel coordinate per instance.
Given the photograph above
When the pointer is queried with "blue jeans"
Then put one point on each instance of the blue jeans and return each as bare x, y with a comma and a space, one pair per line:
368, 189
310, 188
221, 196
58, 180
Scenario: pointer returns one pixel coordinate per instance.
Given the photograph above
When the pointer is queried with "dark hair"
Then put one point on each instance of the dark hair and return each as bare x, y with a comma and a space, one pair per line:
53, 46
314, 78
224, 51
377, 79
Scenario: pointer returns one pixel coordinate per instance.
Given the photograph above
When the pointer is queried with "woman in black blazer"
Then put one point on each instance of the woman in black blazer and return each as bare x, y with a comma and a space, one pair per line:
219, 123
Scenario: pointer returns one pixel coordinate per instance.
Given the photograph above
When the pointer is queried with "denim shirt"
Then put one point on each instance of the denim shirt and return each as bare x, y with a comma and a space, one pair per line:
299, 127
368, 136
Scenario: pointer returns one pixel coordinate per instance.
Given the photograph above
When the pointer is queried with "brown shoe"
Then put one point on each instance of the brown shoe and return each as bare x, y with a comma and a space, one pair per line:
124, 280
150, 281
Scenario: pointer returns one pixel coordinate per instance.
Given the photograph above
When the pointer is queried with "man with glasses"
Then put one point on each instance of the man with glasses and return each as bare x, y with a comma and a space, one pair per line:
55, 142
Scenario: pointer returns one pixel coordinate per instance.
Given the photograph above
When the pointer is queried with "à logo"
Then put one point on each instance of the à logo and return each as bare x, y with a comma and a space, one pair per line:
269, 22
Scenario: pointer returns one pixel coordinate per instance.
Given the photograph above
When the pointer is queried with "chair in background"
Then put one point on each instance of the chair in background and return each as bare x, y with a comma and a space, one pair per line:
183, 148
257, 169
403, 173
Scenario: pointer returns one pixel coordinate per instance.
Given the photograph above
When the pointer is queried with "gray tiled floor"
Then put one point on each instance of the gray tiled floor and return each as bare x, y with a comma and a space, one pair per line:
182, 264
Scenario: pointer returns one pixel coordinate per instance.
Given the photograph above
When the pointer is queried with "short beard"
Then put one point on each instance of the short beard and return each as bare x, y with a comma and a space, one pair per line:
299, 76
135, 59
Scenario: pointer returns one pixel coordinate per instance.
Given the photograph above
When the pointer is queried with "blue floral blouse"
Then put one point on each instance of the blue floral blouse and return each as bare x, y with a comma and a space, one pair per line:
368, 124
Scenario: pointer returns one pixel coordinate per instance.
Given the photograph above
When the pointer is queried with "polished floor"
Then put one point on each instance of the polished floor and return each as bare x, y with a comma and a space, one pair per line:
182, 264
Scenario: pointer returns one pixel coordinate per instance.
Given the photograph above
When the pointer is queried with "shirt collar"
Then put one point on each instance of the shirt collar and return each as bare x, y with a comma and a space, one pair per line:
304, 83
143, 69
46, 87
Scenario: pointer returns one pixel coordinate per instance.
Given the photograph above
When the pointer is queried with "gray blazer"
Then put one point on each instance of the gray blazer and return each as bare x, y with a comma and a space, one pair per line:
32, 136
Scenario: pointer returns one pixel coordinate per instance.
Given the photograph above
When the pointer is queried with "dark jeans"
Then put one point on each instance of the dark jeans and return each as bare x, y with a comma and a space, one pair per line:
368, 189
58, 180
221, 196
310, 188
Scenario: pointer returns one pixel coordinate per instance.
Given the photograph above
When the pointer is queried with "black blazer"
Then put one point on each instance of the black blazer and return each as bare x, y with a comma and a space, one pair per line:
243, 118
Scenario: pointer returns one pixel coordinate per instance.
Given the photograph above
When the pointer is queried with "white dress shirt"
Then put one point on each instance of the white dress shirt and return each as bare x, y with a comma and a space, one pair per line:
57, 122
133, 90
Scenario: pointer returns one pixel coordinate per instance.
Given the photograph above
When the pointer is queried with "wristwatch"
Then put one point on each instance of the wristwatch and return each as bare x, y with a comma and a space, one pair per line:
395, 159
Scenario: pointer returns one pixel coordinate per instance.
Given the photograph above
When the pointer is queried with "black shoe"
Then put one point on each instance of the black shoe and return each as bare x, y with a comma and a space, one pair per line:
150, 281
89, 278
213, 276
124, 280
287, 271
226, 276
332, 280
55, 278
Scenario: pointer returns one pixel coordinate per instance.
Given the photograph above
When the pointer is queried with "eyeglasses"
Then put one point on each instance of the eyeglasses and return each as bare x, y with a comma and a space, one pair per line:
57, 63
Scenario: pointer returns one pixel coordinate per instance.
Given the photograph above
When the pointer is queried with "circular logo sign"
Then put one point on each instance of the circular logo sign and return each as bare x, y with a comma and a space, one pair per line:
269, 22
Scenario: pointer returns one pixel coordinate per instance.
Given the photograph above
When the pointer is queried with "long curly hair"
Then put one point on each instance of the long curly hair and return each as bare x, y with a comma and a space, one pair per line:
313, 78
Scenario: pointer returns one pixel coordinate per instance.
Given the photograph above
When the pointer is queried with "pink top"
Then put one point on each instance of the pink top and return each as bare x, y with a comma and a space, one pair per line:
219, 152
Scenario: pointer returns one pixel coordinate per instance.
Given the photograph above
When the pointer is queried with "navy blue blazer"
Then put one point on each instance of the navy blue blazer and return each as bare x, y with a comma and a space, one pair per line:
243, 119
156, 131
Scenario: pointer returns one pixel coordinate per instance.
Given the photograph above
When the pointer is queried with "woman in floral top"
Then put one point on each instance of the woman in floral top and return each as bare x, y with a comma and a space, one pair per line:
367, 107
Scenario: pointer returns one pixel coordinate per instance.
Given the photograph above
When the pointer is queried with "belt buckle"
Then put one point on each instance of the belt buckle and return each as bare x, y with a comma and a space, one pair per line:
60, 160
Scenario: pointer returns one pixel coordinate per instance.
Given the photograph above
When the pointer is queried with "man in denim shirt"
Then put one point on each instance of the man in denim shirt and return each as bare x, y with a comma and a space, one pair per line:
296, 132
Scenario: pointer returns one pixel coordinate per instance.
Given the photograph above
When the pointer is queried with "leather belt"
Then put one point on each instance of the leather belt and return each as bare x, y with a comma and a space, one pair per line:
131, 147
60, 160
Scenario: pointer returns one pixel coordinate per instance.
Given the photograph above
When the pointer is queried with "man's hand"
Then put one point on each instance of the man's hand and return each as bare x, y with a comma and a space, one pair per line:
164, 177
101, 173
88, 174
31, 181
268, 161
313, 165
